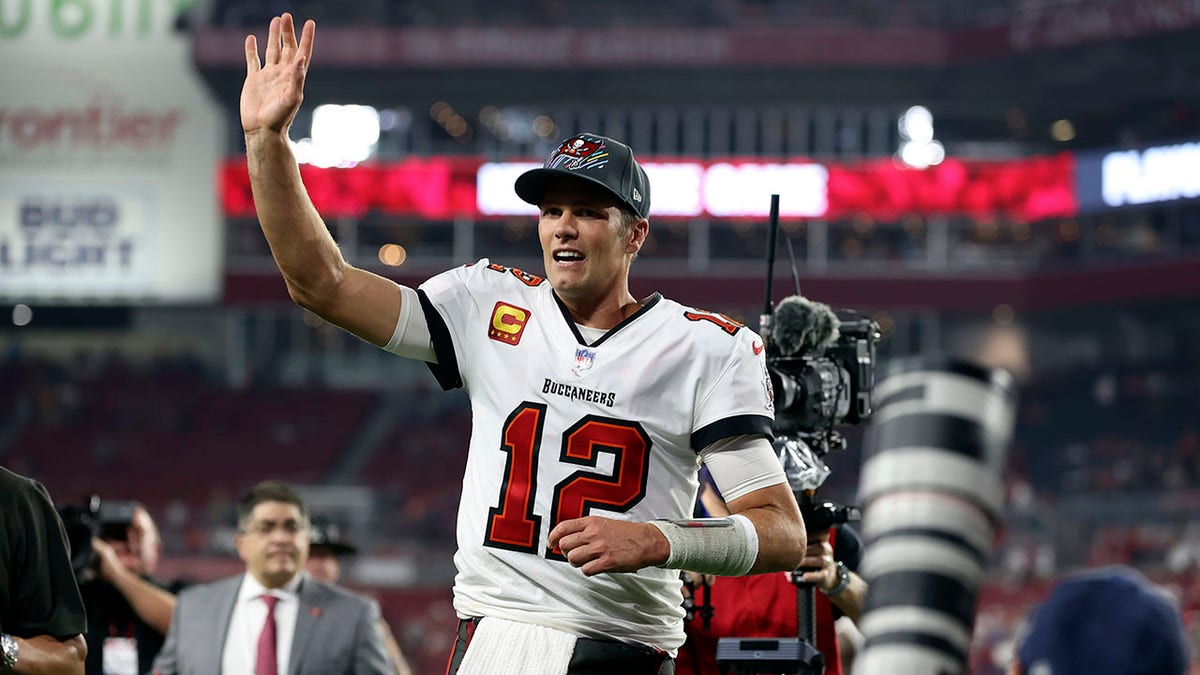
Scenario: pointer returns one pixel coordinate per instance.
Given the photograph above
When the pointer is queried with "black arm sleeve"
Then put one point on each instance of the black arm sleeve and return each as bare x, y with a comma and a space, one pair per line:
39, 595
446, 369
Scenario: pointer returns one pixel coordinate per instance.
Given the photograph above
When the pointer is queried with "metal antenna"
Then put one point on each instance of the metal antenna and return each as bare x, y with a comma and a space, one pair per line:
795, 271
764, 319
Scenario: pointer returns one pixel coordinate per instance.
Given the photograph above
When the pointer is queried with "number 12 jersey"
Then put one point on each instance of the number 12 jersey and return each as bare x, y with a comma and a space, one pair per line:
563, 429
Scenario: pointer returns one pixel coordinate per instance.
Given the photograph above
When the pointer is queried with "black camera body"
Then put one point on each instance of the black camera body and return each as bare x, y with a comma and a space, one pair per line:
108, 520
821, 372
820, 516
822, 368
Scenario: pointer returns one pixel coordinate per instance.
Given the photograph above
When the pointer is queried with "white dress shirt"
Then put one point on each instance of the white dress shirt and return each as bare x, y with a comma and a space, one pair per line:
249, 615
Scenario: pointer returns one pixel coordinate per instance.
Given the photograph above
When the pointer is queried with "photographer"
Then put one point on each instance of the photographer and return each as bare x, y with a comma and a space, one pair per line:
41, 614
128, 612
766, 605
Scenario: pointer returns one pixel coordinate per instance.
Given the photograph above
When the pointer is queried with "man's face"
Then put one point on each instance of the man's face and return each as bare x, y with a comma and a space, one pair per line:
323, 565
140, 549
274, 544
584, 250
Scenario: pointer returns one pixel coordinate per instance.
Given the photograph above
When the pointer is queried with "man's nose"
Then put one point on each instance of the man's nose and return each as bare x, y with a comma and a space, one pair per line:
566, 227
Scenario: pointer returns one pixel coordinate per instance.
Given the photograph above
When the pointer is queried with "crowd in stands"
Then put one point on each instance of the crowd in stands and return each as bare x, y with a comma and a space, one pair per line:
166, 432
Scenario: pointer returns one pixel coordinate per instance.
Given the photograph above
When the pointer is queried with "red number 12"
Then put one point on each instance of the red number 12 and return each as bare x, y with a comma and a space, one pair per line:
512, 525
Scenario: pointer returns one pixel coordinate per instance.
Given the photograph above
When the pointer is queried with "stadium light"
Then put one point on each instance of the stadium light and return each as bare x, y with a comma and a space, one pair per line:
918, 149
341, 136
21, 315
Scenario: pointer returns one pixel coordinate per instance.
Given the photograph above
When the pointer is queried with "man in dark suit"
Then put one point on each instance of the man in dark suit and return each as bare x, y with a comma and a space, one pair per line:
274, 619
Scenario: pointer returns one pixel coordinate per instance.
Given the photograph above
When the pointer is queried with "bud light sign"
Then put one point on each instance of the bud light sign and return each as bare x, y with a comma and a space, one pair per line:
73, 246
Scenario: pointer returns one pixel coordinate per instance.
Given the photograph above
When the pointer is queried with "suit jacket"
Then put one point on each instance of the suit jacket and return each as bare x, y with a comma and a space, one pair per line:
336, 632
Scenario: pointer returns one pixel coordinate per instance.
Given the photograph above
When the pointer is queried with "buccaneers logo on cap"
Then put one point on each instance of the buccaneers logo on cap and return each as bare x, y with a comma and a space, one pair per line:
580, 152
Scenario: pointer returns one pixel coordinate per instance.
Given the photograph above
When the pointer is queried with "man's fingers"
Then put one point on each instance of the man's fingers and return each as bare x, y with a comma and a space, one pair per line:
580, 556
273, 42
307, 35
570, 542
253, 65
287, 31
563, 529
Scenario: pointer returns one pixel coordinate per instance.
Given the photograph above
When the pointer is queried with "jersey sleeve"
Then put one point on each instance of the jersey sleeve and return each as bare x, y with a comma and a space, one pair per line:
46, 596
738, 399
450, 301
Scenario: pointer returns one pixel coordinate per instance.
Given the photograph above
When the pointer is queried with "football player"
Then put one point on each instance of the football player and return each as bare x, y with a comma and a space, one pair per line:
591, 408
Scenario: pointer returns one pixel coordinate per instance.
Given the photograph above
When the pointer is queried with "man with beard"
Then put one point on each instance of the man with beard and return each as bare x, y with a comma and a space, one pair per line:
273, 619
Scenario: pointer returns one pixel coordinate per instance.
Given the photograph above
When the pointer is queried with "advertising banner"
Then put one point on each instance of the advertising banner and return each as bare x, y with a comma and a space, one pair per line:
1112, 179
109, 149
445, 188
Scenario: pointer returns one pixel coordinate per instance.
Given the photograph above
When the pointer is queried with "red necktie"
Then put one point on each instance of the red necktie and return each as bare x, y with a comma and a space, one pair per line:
265, 664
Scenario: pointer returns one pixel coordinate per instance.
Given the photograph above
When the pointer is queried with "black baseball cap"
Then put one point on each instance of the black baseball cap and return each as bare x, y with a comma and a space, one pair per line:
328, 535
601, 160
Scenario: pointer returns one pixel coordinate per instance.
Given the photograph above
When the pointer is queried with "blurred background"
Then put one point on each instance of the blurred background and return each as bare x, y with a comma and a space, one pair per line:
1011, 180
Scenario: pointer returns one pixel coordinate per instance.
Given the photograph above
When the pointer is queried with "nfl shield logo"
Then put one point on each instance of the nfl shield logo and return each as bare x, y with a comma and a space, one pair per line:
584, 358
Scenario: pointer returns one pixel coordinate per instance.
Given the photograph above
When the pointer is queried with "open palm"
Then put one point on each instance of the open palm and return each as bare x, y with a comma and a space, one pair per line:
274, 89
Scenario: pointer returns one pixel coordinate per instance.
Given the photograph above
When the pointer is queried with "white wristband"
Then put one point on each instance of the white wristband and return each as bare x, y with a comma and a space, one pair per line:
724, 546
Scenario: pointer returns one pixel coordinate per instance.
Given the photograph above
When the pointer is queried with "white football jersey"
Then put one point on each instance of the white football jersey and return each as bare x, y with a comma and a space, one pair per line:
563, 429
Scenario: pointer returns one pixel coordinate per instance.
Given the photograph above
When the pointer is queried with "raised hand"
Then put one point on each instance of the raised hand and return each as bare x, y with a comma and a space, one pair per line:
274, 90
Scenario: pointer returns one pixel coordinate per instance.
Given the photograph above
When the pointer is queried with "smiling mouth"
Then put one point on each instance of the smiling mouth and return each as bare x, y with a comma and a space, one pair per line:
568, 257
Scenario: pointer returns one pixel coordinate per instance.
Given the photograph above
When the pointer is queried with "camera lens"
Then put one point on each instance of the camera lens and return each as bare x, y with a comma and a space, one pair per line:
933, 494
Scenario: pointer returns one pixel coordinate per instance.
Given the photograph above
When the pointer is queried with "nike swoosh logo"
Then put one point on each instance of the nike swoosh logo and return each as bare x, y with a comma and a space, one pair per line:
757, 347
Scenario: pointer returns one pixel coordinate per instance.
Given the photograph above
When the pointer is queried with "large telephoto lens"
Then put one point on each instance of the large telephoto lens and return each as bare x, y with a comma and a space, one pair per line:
933, 494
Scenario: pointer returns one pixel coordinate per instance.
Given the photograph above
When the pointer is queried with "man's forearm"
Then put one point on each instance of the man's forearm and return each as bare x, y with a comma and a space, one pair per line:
780, 527
780, 543
301, 244
852, 600
45, 655
151, 603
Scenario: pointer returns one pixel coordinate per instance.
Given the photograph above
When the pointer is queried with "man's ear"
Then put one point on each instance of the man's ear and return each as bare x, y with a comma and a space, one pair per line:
637, 236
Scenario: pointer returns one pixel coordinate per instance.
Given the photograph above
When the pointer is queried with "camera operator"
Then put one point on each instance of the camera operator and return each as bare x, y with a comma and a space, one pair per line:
821, 369
41, 614
128, 612
766, 605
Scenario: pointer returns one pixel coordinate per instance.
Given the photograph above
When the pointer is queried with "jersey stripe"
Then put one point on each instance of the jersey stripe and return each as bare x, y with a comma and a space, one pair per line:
446, 369
738, 425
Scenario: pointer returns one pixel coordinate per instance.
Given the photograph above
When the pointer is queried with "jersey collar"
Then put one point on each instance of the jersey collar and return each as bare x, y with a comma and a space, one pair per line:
650, 301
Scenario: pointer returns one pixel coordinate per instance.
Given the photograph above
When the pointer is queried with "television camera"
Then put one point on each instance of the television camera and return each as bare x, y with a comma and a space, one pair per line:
821, 363
108, 520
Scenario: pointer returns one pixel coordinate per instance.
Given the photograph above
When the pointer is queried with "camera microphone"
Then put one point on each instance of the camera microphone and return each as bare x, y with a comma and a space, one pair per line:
801, 325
